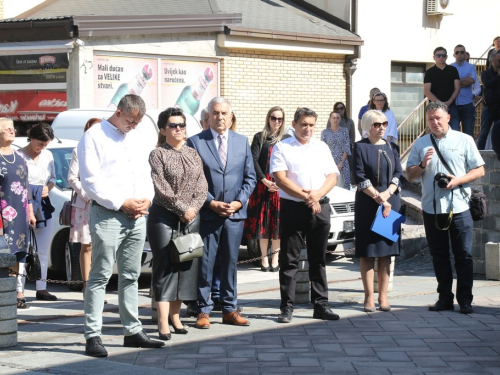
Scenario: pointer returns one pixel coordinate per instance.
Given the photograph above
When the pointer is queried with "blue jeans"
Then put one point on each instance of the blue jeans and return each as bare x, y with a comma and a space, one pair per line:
486, 122
463, 113
460, 233
115, 237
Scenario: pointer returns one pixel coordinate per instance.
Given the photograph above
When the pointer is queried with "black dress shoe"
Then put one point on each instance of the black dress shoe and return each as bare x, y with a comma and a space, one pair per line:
441, 306
265, 269
466, 309
275, 269
324, 312
286, 315
95, 348
140, 340
45, 297
180, 331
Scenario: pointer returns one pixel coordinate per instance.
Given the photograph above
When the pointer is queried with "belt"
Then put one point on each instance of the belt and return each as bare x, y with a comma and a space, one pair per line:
94, 203
322, 201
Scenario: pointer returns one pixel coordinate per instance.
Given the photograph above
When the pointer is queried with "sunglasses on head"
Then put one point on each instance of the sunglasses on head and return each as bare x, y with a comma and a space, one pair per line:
441, 55
172, 125
377, 125
459, 52
278, 119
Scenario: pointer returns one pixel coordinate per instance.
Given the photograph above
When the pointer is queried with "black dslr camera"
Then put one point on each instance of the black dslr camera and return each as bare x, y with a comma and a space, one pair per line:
442, 180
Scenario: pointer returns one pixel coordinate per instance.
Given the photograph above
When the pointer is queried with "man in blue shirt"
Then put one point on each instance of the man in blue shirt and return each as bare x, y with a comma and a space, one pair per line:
445, 209
464, 101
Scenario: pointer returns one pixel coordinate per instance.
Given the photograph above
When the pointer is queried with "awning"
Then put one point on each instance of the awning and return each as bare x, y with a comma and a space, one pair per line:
32, 105
42, 47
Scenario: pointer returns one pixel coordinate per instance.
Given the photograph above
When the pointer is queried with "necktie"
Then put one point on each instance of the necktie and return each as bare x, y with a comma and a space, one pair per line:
222, 150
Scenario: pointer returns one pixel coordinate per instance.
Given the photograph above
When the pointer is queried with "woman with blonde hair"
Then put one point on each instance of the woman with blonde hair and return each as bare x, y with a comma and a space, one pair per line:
262, 221
377, 170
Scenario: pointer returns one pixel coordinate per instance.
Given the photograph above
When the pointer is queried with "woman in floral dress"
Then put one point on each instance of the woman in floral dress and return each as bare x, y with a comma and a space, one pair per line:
337, 138
15, 205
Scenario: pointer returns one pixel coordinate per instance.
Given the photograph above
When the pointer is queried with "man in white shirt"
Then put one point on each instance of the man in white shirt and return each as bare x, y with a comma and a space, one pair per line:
305, 172
115, 173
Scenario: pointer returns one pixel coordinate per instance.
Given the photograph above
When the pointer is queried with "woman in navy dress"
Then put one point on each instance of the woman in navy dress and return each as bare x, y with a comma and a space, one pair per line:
377, 170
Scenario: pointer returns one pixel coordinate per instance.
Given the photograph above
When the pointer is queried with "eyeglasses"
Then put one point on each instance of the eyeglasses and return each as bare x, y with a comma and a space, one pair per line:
339, 108
172, 125
277, 119
377, 125
459, 52
379, 100
441, 55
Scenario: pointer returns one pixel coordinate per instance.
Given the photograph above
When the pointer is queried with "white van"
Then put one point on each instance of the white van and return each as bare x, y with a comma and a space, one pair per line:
70, 124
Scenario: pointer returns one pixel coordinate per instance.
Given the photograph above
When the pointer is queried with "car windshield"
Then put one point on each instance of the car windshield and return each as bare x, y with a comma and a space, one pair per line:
62, 158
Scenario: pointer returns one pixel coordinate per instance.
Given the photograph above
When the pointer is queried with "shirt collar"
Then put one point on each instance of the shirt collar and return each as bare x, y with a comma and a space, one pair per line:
216, 135
295, 140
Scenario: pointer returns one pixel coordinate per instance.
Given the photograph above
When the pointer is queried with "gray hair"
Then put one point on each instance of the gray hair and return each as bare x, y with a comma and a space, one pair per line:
370, 117
304, 112
132, 103
434, 106
203, 114
5, 121
218, 100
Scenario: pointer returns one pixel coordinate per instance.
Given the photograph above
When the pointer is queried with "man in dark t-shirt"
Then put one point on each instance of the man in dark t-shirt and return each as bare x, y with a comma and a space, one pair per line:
442, 83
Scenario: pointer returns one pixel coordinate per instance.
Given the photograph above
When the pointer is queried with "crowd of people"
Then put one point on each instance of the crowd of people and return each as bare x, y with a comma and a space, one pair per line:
274, 191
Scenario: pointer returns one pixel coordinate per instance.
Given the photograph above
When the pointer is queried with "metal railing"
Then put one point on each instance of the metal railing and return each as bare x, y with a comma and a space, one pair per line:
411, 128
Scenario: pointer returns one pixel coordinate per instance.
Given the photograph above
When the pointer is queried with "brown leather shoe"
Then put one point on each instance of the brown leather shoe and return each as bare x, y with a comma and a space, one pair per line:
235, 318
203, 322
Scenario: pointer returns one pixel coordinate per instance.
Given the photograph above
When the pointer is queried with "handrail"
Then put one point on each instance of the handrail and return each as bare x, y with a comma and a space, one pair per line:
412, 127
412, 112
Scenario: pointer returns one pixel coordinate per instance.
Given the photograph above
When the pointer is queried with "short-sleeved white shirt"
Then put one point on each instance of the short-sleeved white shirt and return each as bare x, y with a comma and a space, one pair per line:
305, 165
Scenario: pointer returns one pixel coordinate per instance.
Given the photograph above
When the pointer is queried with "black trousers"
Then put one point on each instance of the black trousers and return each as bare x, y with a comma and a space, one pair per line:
297, 223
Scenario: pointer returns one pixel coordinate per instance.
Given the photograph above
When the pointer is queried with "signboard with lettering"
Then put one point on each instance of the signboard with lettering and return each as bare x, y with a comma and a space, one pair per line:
44, 68
32, 105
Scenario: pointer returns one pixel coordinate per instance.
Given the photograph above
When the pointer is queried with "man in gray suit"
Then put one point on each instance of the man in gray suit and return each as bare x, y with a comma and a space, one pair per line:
230, 173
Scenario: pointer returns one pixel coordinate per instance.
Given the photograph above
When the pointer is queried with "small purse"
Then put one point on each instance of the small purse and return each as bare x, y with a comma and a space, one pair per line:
65, 214
33, 268
185, 247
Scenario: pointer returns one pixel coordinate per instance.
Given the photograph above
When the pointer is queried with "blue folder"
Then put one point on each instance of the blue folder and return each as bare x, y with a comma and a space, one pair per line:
388, 227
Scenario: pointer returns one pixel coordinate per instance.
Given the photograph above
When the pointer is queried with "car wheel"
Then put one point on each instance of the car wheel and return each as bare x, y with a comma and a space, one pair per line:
72, 257
253, 248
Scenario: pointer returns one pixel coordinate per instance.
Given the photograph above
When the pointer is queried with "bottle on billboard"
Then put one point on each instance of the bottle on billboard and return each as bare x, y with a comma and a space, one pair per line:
134, 86
190, 97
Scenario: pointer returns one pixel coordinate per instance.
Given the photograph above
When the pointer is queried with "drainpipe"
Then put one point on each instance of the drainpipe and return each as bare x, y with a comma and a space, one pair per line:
351, 60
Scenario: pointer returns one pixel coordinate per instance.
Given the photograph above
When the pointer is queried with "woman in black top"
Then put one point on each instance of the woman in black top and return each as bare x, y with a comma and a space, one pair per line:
377, 170
264, 203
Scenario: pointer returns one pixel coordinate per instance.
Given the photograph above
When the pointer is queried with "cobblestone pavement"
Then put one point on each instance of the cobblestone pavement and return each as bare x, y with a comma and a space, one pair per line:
407, 340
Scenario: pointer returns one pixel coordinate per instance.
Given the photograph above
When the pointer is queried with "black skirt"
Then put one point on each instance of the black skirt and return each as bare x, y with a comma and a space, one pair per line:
171, 281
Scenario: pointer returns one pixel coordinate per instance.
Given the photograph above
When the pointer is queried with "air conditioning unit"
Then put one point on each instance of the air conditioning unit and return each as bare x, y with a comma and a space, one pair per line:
438, 8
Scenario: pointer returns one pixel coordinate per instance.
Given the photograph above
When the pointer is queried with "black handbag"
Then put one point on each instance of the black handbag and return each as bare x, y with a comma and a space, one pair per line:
185, 247
477, 200
33, 267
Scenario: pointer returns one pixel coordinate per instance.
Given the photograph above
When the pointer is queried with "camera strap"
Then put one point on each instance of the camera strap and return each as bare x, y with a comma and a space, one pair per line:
440, 156
450, 215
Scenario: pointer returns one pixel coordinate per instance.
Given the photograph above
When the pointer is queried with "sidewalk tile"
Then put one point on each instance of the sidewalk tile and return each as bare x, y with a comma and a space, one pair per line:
301, 362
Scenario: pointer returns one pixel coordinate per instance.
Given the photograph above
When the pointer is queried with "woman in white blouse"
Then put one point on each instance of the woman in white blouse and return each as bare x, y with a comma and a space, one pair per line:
42, 179
379, 102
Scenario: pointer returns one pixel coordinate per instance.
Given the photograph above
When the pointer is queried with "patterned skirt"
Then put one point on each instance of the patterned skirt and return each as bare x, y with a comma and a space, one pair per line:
79, 231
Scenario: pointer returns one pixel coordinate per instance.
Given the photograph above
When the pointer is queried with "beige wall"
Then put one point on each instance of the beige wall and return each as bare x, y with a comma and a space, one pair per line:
255, 81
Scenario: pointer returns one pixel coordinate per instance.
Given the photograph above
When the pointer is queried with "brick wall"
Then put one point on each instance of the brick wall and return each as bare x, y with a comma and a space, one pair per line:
255, 81
487, 230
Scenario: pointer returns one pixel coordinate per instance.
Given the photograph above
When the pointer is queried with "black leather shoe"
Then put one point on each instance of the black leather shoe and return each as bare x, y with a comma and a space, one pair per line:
466, 309
163, 337
140, 340
441, 306
45, 297
324, 312
286, 315
265, 269
94, 347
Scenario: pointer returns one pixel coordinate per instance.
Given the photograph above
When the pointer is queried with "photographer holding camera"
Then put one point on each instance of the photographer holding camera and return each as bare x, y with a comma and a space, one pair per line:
445, 207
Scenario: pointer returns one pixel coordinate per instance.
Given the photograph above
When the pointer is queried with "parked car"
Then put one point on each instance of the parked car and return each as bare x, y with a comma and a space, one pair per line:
341, 222
64, 255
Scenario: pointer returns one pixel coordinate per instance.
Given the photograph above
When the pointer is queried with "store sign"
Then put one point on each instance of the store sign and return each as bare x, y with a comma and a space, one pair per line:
188, 84
34, 62
32, 105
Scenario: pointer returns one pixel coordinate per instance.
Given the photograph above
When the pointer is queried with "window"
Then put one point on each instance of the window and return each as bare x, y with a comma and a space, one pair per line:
407, 88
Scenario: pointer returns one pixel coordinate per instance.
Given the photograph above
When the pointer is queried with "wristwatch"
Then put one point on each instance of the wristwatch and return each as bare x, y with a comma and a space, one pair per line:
421, 165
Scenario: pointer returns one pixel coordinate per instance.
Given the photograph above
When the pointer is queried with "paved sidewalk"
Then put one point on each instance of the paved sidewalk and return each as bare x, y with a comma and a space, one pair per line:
408, 340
